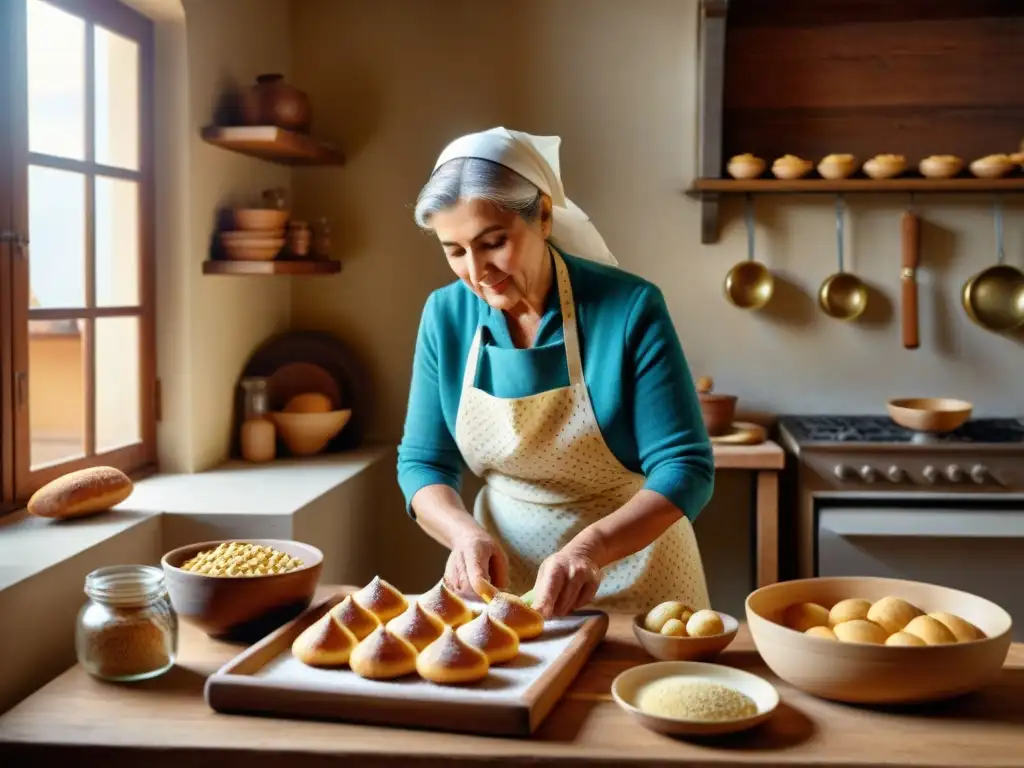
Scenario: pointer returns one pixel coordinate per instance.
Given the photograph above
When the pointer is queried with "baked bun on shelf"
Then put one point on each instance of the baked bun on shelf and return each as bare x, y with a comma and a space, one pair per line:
446, 605
417, 625
451, 661
383, 656
381, 599
498, 643
359, 621
516, 615
324, 643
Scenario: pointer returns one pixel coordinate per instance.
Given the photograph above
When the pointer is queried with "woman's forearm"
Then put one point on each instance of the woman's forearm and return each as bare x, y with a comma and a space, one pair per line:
442, 515
630, 528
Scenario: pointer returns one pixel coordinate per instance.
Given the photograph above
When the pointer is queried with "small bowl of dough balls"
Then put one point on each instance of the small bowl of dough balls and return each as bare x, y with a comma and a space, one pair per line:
878, 641
674, 631
241, 588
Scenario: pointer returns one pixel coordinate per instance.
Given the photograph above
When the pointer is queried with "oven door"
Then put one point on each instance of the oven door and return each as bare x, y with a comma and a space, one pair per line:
977, 548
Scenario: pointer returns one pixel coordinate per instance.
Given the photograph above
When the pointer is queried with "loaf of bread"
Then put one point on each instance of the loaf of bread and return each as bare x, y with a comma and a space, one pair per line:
84, 492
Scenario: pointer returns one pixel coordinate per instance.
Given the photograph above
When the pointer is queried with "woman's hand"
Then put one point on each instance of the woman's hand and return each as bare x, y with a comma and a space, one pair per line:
475, 559
566, 581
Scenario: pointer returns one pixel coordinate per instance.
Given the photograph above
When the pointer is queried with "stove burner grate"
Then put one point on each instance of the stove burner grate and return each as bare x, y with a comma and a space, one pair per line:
881, 429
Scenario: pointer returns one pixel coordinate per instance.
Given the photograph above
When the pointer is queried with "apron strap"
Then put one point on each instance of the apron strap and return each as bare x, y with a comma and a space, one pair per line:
472, 360
570, 333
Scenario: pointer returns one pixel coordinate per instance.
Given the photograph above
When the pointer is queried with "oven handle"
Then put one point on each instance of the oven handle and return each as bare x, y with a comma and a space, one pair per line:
922, 523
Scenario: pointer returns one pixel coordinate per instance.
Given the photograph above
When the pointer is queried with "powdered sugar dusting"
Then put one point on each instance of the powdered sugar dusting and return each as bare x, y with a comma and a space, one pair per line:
449, 651
485, 633
379, 597
383, 646
442, 602
416, 625
506, 683
359, 620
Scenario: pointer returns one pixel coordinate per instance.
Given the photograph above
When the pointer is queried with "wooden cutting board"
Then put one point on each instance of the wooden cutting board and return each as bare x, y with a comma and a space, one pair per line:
513, 700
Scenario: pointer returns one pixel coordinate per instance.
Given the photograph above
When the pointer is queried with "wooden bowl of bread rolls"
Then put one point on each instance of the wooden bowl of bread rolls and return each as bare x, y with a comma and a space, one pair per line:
242, 588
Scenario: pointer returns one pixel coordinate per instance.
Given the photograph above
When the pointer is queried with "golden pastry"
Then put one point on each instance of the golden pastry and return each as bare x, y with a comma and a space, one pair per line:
745, 166
940, 166
803, 616
446, 605
516, 615
705, 623
992, 166
893, 613
417, 625
885, 166
962, 630
860, 631
791, 167
848, 610
324, 643
657, 617
932, 631
837, 166
824, 633
357, 619
905, 639
673, 628
381, 599
450, 661
383, 656
498, 642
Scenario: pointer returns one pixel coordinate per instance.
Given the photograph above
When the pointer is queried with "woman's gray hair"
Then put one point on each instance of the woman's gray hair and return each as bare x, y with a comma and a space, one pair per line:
472, 178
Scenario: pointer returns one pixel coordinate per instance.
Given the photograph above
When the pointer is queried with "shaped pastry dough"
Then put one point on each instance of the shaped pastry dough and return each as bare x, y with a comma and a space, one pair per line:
516, 615
497, 641
381, 599
383, 656
359, 621
446, 605
450, 661
417, 625
324, 643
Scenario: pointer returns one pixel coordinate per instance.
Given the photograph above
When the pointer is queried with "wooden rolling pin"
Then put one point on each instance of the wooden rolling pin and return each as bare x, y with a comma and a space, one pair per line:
908, 279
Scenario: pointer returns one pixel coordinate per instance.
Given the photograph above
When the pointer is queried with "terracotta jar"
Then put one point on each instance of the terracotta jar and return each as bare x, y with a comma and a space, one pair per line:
272, 101
718, 411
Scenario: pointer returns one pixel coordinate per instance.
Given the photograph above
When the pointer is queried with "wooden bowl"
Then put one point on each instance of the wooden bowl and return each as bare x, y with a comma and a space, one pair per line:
666, 648
929, 414
248, 250
306, 434
259, 238
627, 685
242, 606
260, 219
878, 674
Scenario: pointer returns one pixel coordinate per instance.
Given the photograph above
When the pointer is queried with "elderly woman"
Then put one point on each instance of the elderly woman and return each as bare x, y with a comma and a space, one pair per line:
559, 380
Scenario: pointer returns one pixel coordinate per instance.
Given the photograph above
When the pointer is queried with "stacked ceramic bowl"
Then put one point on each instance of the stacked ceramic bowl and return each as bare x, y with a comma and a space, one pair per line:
258, 234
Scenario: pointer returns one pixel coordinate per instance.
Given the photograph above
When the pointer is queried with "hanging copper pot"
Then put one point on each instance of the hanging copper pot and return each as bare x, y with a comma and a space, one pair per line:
272, 101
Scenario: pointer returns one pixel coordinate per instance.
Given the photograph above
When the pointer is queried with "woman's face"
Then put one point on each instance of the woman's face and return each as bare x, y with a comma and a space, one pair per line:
497, 254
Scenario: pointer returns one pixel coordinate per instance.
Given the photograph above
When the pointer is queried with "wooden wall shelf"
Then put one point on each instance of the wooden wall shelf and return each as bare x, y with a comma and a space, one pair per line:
816, 186
267, 142
290, 267
817, 77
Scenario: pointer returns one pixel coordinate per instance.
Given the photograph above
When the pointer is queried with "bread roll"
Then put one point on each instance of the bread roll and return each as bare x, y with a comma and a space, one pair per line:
417, 625
962, 630
80, 493
932, 631
848, 610
381, 599
516, 615
498, 642
359, 621
893, 613
383, 656
450, 661
446, 605
324, 643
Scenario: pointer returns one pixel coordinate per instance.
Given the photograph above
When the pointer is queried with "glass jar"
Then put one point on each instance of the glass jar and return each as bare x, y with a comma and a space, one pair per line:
258, 436
127, 630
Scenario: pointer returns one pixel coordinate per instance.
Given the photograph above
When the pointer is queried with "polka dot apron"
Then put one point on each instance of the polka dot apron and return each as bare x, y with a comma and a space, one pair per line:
549, 474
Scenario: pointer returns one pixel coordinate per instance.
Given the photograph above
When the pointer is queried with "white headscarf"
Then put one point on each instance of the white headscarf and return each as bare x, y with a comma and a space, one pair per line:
535, 158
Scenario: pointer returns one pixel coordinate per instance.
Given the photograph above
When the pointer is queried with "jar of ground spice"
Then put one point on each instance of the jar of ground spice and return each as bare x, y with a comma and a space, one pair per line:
127, 630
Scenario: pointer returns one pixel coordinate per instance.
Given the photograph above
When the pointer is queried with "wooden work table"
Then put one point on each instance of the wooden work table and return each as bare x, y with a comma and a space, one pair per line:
765, 460
76, 720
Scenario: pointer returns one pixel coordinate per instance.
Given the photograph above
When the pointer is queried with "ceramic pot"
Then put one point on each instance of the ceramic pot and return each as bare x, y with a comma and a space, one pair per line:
272, 101
717, 410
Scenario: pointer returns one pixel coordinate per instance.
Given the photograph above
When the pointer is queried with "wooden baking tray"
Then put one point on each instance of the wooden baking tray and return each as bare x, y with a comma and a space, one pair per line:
513, 700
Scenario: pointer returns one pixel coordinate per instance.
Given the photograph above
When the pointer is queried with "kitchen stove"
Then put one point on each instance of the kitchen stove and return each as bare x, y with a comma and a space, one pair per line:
875, 499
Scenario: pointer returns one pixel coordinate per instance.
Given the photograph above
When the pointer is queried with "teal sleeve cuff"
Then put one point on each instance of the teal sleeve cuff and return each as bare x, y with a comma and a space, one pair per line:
689, 486
414, 475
